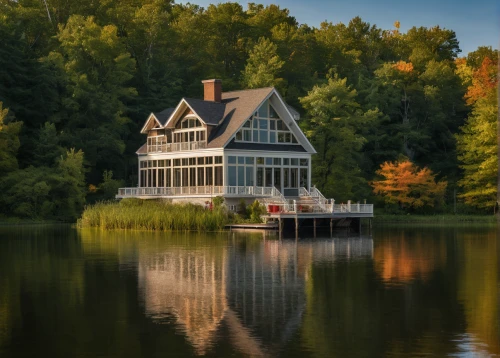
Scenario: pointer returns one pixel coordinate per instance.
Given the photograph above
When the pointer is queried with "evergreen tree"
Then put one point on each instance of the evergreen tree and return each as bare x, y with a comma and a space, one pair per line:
263, 66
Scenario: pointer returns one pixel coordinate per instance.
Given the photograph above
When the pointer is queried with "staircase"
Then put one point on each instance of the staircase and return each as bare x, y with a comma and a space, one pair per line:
307, 203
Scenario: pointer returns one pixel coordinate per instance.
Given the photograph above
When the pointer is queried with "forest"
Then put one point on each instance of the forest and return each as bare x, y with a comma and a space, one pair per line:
400, 119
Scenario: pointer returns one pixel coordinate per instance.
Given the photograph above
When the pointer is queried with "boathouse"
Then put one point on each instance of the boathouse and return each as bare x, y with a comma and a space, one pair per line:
238, 145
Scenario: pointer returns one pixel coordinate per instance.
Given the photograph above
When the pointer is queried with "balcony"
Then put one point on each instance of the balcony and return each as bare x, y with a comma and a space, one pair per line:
200, 191
176, 147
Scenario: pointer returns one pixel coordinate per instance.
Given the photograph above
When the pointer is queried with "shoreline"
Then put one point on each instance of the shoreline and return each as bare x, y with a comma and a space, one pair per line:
434, 219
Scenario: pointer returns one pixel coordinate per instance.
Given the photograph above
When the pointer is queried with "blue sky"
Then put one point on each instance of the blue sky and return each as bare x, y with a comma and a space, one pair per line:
476, 23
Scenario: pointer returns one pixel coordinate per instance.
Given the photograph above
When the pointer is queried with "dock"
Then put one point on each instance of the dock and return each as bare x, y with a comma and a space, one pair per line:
318, 214
250, 226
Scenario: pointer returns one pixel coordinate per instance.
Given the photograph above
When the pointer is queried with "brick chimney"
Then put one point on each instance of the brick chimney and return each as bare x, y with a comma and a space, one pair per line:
212, 90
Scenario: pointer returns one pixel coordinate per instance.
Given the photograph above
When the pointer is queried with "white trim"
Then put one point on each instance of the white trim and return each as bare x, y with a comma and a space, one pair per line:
174, 113
246, 119
287, 154
152, 115
295, 128
184, 154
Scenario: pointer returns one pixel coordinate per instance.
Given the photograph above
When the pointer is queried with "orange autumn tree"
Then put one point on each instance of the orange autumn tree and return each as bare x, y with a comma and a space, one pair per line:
405, 184
484, 81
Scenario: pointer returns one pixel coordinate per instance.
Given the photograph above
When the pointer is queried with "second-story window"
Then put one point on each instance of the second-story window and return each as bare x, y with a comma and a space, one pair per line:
265, 126
189, 134
190, 122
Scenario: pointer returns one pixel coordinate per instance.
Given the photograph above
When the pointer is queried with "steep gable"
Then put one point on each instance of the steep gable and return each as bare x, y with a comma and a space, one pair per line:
239, 106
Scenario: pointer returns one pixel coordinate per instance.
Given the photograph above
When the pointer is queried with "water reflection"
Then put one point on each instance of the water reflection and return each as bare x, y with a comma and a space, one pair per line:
255, 288
189, 285
479, 290
409, 256
408, 292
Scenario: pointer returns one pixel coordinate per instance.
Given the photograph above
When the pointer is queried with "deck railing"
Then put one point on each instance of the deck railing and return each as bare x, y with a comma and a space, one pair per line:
273, 195
320, 199
176, 147
353, 208
197, 190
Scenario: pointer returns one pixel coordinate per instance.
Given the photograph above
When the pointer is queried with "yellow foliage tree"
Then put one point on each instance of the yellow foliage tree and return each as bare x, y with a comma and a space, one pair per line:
405, 184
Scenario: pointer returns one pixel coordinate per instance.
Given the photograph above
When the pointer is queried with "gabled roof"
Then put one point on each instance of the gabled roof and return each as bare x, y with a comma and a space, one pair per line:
210, 112
143, 149
293, 112
239, 106
150, 123
164, 115
228, 116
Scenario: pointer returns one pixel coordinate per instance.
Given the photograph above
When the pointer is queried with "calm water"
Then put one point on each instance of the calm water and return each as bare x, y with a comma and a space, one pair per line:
404, 291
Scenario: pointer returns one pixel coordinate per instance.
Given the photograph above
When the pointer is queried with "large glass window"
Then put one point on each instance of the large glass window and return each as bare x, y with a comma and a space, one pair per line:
231, 175
187, 172
218, 178
269, 177
260, 176
267, 128
241, 176
209, 176
249, 176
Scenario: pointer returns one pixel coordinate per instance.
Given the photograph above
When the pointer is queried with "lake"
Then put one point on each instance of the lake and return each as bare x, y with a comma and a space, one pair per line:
402, 291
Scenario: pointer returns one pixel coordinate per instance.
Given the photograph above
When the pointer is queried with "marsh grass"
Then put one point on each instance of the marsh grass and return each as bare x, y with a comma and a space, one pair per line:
135, 214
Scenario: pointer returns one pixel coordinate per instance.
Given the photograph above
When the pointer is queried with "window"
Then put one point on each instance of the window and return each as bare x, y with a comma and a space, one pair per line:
190, 122
265, 127
249, 176
218, 179
241, 176
231, 175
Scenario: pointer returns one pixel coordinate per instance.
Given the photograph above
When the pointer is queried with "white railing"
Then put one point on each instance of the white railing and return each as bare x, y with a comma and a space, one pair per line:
175, 147
278, 200
303, 192
198, 190
353, 208
320, 199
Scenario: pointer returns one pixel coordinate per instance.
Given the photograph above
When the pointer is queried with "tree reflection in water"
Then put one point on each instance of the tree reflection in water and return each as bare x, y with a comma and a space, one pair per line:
410, 291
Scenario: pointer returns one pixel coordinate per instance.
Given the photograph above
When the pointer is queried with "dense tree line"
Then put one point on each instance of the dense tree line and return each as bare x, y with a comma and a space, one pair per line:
77, 80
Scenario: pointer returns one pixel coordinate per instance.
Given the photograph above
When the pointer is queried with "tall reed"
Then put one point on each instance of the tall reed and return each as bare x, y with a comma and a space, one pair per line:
137, 214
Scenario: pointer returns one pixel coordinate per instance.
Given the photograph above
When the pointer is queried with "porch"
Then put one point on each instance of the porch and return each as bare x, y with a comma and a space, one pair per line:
196, 191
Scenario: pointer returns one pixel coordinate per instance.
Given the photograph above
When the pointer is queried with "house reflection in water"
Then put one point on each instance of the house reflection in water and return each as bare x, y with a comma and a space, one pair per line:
189, 286
257, 291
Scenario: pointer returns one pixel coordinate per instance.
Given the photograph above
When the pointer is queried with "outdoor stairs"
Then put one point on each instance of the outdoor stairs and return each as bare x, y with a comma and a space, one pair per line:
306, 203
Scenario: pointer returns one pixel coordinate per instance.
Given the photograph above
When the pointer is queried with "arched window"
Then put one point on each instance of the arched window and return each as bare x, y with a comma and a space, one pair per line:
190, 122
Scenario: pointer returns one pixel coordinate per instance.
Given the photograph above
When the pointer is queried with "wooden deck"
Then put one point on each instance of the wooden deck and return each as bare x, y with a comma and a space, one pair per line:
317, 215
270, 226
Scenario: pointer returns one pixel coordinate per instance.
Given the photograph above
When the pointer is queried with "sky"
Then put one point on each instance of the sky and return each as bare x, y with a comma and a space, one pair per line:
475, 22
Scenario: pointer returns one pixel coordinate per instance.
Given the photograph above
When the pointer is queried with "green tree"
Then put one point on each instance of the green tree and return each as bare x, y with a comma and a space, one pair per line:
9, 142
263, 66
335, 127
47, 148
68, 186
477, 147
97, 68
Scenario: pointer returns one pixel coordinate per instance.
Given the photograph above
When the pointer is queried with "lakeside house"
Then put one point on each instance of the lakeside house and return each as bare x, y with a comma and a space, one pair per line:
239, 144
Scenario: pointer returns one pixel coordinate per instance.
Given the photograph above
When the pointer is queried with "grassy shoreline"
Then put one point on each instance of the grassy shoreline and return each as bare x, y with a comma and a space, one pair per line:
445, 218
130, 214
